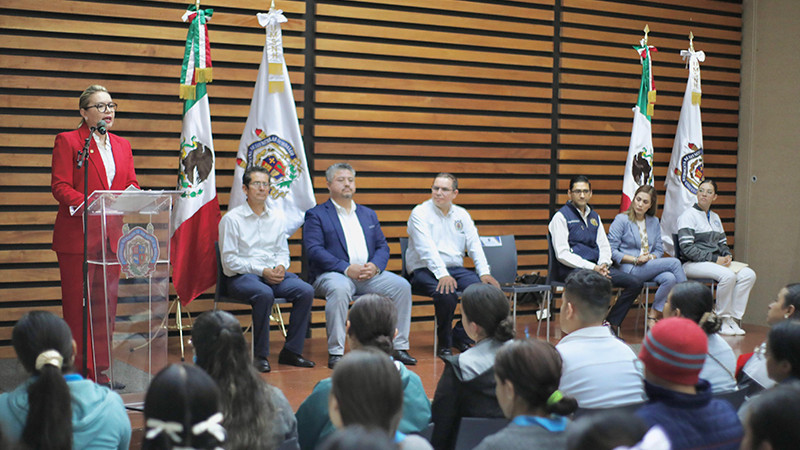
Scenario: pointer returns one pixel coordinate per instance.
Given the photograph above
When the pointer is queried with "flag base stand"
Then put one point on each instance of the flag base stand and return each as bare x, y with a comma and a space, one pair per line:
176, 304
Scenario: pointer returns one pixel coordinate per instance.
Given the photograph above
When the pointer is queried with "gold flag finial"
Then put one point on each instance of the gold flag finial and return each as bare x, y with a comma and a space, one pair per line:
272, 4
646, 32
691, 41
197, 5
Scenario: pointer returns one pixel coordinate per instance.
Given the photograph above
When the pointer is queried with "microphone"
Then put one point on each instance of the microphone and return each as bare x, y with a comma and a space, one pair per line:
101, 127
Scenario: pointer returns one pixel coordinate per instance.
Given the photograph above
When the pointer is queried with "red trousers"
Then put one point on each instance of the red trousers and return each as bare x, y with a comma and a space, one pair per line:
101, 319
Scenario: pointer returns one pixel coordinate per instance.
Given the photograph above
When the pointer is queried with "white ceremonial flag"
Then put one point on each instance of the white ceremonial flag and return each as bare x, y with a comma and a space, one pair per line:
271, 136
686, 164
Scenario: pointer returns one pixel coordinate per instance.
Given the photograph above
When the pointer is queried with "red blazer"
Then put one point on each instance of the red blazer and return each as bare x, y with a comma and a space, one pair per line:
67, 181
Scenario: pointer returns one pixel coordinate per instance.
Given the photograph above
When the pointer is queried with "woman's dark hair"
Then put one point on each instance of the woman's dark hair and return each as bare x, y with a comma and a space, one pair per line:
368, 389
783, 341
713, 183
373, 319
772, 417
358, 437
792, 297
534, 369
651, 191
184, 395
43, 344
487, 306
696, 304
223, 353
605, 431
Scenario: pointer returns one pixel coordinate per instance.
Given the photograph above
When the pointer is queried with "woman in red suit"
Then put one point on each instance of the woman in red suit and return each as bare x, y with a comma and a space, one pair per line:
110, 167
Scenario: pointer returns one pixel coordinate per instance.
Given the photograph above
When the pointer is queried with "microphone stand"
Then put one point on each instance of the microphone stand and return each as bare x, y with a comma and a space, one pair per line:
83, 163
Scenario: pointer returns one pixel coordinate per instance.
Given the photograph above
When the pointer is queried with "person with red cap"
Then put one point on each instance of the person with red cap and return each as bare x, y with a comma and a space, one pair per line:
673, 354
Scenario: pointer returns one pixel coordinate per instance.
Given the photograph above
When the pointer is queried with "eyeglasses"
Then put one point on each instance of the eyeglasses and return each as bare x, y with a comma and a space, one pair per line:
259, 184
581, 191
437, 189
104, 107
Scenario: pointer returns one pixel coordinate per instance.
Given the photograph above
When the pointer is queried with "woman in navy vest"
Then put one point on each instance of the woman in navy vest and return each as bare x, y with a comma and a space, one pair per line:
635, 238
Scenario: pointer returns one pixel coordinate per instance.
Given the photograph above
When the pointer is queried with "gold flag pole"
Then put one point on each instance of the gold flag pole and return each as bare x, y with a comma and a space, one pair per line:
272, 4
646, 32
691, 41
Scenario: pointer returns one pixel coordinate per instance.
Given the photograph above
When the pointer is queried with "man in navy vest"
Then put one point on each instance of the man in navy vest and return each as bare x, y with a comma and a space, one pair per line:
579, 241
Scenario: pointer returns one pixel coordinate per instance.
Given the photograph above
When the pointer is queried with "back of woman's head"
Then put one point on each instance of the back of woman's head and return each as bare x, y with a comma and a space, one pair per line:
368, 389
792, 298
534, 369
181, 409
373, 319
43, 344
487, 306
605, 431
783, 342
222, 351
696, 304
772, 418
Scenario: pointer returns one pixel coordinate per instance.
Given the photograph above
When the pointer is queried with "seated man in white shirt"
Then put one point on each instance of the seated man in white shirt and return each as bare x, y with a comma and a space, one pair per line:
439, 233
255, 254
598, 370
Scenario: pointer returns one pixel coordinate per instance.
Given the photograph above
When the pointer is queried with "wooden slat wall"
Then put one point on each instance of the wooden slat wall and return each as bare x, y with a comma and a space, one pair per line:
400, 89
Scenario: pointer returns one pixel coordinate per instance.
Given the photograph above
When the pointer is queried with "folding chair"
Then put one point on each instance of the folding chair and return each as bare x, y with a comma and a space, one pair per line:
501, 253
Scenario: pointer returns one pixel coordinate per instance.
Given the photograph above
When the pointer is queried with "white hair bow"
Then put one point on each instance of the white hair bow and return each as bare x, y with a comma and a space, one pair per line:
212, 426
156, 427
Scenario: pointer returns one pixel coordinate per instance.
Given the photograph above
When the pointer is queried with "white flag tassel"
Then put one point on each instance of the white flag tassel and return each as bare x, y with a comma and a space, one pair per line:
271, 136
686, 163
639, 164
197, 56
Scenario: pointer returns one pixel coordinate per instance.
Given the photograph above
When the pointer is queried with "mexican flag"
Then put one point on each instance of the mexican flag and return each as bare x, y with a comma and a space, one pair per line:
271, 136
686, 164
195, 216
639, 165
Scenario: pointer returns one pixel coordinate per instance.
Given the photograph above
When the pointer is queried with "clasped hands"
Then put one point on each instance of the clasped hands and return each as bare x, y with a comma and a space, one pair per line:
274, 275
361, 272
448, 284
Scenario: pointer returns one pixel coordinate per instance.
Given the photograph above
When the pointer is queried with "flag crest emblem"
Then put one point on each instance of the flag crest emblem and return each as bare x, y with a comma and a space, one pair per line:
690, 171
641, 168
137, 251
197, 163
276, 155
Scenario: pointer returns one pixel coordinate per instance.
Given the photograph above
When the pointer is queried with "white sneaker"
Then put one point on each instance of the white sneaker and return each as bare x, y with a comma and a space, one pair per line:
727, 329
737, 328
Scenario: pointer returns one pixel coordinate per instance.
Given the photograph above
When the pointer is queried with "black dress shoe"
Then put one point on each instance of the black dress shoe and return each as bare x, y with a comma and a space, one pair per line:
293, 359
332, 360
444, 352
262, 365
404, 357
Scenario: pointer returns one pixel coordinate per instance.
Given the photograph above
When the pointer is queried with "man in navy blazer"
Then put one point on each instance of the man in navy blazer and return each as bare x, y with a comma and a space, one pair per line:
347, 256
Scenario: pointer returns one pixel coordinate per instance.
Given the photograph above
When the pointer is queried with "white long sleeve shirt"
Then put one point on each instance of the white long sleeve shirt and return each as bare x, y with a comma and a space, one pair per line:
438, 241
249, 243
559, 233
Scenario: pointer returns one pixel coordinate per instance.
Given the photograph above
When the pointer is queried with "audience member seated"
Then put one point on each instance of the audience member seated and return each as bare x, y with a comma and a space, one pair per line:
704, 246
783, 352
771, 423
612, 430
357, 437
55, 408
257, 415
753, 377
527, 373
599, 370
182, 410
695, 302
371, 323
636, 247
467, 386
580, 242
679, 401
367, 389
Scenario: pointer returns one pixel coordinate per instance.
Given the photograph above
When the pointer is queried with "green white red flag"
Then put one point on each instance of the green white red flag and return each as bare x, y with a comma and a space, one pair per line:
639, 164
195, 216
686, 164
271, 136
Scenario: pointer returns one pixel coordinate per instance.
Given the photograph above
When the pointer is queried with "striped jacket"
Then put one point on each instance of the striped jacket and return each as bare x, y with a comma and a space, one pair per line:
700, 236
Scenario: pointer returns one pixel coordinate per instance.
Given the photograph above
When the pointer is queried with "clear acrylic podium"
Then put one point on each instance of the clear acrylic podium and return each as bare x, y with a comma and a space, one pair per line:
128, 235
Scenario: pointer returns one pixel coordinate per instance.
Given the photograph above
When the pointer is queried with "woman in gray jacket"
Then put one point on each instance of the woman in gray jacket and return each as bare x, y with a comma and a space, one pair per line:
635, 238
